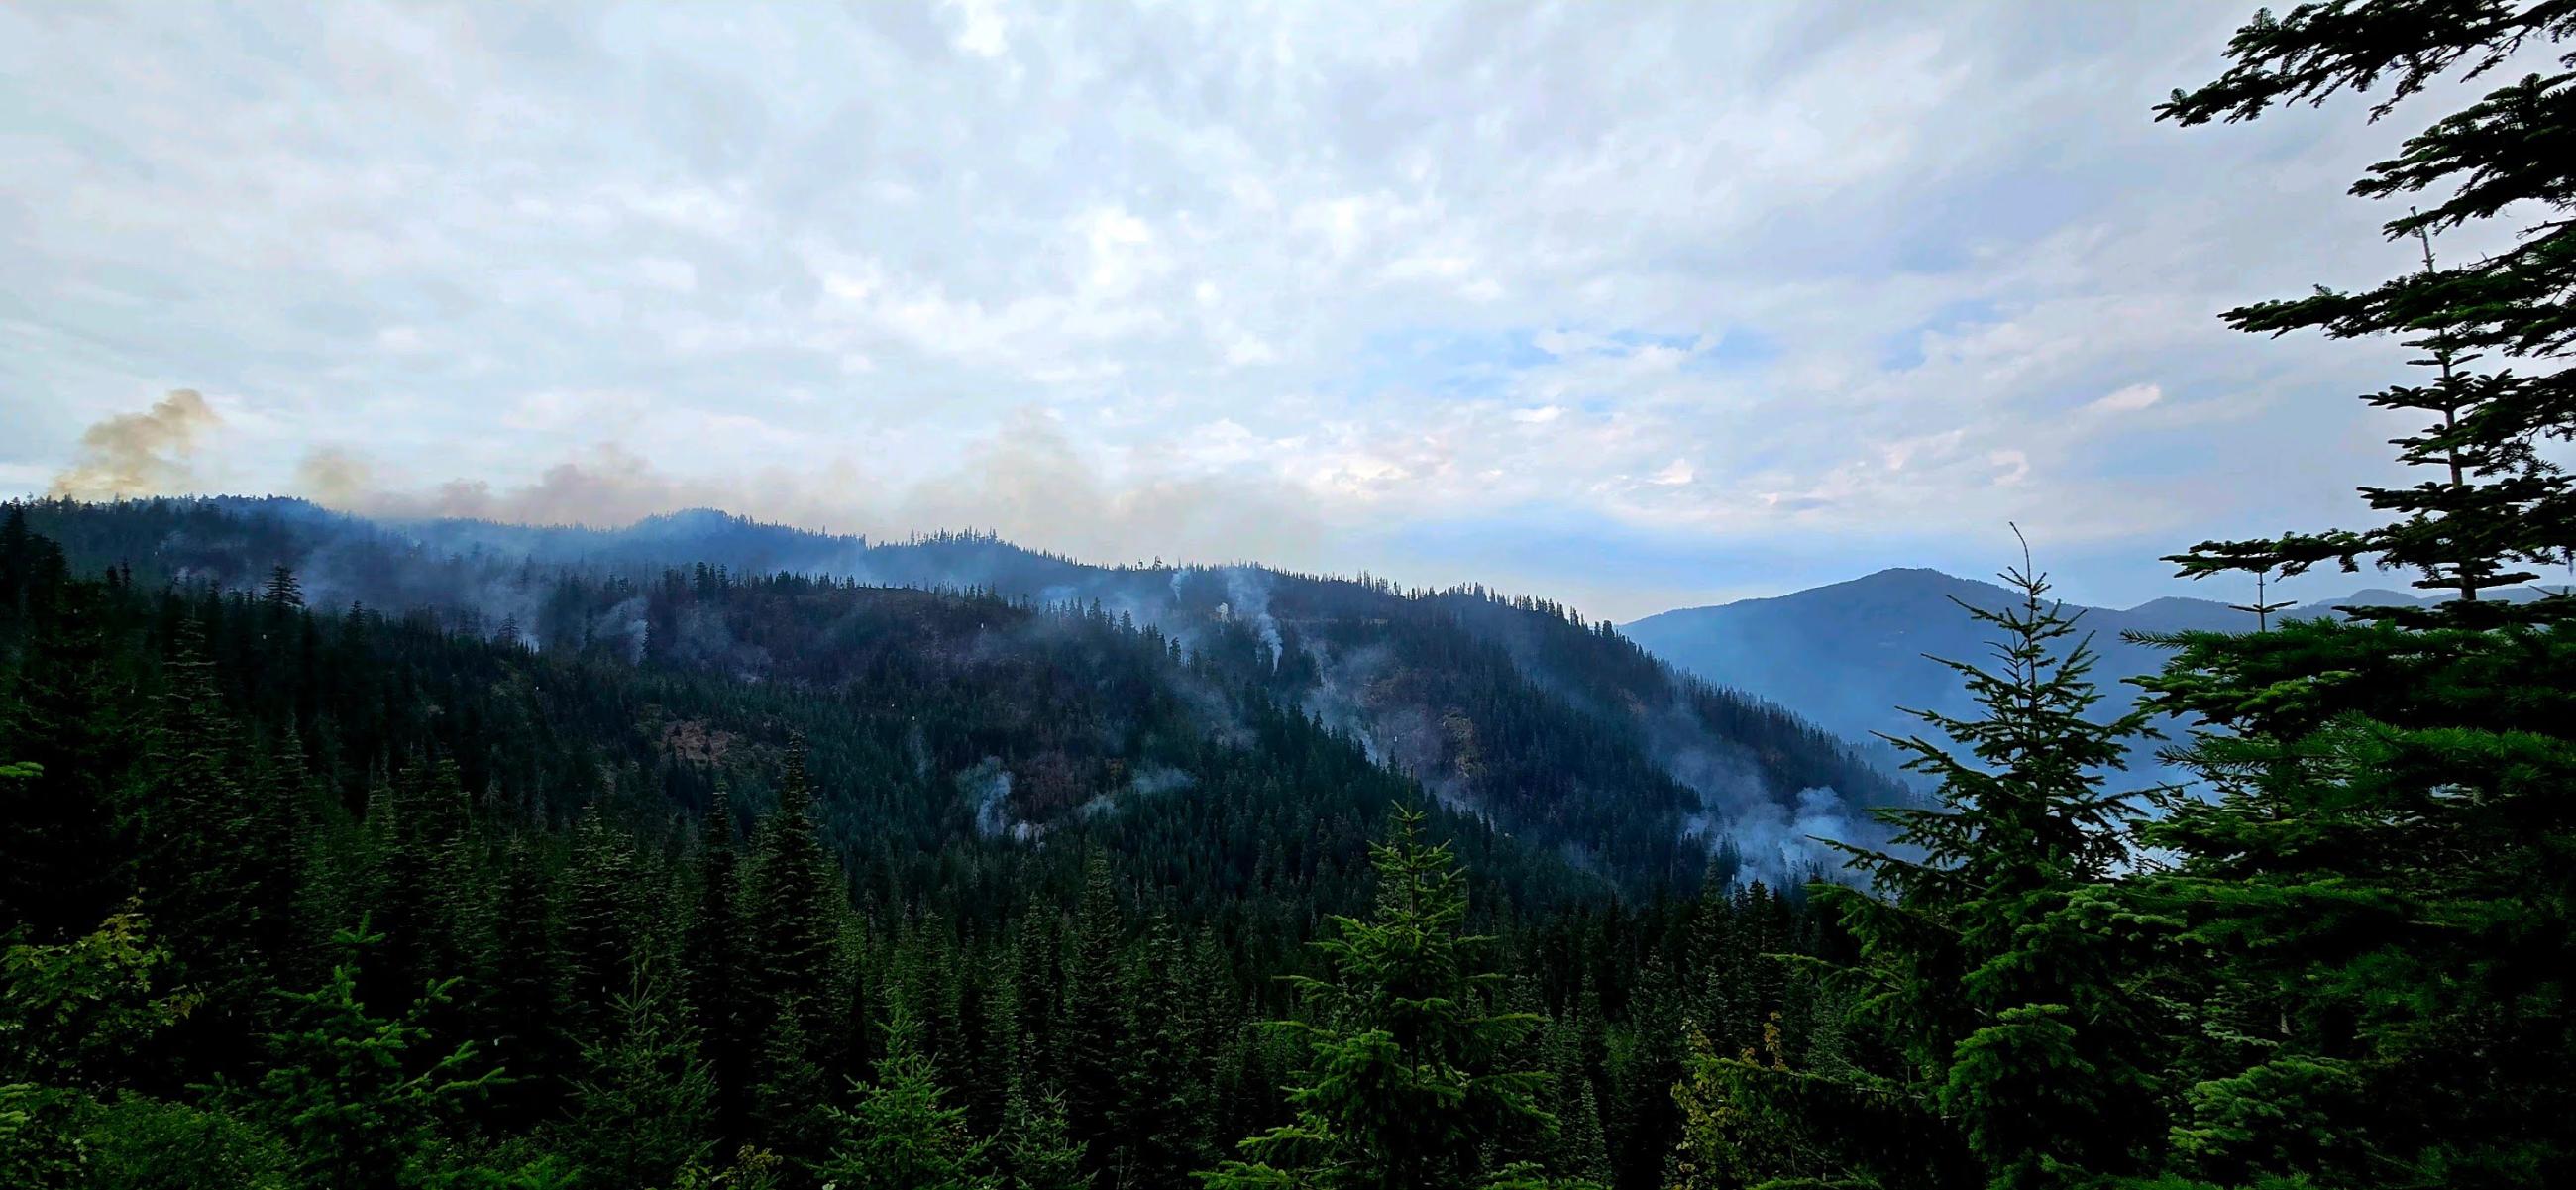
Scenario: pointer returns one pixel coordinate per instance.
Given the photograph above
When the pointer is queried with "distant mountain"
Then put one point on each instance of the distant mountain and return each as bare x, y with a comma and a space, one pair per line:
1851, 654
1555, 730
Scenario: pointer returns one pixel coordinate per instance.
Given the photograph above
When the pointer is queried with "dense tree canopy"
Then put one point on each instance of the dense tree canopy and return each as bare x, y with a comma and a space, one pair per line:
582, 870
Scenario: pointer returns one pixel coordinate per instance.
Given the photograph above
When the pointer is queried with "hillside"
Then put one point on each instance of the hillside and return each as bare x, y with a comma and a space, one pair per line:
679, 871
1560, 733
1852, 656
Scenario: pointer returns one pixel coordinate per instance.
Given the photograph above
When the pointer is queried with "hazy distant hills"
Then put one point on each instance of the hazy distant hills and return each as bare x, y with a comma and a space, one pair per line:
1551, 728
1850, 654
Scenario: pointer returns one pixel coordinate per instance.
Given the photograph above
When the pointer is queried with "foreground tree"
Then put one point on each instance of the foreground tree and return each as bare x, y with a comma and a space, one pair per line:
2379, 894
642, 1115
1404, 1087
900, 1135
1994, 959
352, 1095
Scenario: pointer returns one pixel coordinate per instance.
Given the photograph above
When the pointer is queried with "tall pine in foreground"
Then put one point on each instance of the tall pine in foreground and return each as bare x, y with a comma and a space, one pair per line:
793, 984
1404, 1087
1994, 959
900, 1133
2382, 894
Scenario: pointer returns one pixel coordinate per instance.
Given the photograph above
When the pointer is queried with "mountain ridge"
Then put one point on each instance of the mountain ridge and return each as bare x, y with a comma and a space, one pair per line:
1853, 655
1550, 726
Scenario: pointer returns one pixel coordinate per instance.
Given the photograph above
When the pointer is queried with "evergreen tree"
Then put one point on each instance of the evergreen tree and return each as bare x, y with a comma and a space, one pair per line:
601, 908
1092, 1049
899, 1135
70, 720
1161, 1106
2377, 896
641, 1114
283, 591
1991, 948
1037, 1151
712, 955
789, 1104
792, 967
206, 879
357, 1103
524, 1007
1402, 1089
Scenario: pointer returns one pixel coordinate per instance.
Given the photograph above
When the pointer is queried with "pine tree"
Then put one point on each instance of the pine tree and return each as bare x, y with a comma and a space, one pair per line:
1579, 1149
205, 878
523, 1010
1403, 1089
354, 1099
793, 964
2496, 504
1991, 949
1037, 1150
67, 852
712, 955
1161, 1107
601, 907
2377, 895
790, 1103
641, 1114
283, 591
899, 1134
1092, 1048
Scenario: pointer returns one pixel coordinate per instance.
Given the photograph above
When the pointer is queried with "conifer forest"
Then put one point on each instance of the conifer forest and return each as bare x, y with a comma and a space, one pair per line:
346, 850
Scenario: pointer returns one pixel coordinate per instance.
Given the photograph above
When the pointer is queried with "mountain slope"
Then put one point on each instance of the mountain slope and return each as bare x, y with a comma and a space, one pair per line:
1560, 732
1852, 655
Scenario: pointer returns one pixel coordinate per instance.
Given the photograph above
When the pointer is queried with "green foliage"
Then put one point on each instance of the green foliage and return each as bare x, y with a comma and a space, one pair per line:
75, 1014
2376, 899
899, 1135
1402, 1088
136, 1143
640, 1115
354, 1096
1992, 953
1037, 1151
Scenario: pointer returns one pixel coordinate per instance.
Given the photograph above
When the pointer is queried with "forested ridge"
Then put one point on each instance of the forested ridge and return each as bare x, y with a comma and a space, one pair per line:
580, 841
1557, 730
747, 871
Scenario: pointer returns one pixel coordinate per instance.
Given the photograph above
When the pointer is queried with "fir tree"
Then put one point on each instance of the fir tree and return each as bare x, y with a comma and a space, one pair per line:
600, 913
1092, 1048
66, 855
899, 1134
1037, 1151
711, 955
1991, 949
2377, 895
1402, 1089
641, 1114
207, 881
356, 1101
791, 901
283, 592
524, 1008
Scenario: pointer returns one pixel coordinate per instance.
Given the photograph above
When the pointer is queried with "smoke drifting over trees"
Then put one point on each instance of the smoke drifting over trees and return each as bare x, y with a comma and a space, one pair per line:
1025, 481
140, 454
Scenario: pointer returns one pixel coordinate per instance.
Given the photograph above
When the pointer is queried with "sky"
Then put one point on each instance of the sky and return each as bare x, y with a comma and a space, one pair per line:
1631, 305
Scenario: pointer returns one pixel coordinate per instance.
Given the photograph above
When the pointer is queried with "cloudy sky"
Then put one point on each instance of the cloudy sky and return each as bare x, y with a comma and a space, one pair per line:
1633, 305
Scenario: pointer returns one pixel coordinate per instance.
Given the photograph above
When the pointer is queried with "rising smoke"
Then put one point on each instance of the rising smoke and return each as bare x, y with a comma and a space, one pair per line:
1026, 482
140, 454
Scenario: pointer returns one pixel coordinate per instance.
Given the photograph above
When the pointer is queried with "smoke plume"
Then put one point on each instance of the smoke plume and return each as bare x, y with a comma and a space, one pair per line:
1026, 482
140, 454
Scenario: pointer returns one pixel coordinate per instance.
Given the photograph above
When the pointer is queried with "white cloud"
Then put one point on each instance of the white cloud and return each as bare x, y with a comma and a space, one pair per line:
1845, 266
2131, 399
